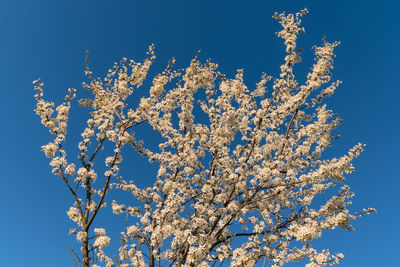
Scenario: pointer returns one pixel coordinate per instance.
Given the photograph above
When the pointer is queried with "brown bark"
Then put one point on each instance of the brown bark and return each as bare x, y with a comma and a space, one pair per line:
85, 251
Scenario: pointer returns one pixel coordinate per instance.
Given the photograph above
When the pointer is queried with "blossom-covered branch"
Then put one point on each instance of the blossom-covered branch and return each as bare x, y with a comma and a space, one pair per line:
238, 169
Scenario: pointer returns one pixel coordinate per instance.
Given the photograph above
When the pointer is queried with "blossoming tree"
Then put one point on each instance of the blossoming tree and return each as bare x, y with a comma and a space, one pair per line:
236, 180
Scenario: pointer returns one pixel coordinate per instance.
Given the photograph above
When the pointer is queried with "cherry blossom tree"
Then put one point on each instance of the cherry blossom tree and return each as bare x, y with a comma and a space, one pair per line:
238, 169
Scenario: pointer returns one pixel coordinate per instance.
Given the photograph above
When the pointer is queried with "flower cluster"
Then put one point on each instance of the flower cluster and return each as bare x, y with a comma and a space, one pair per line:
238, 169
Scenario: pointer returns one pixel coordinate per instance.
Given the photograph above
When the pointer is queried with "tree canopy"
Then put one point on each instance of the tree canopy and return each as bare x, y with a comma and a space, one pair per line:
238, 168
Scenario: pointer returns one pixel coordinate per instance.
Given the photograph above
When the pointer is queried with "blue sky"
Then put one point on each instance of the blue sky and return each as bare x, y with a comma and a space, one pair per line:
48, 39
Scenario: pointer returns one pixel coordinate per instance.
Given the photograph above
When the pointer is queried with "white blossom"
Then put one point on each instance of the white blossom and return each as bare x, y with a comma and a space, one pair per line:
70, 169
81, 236
50, 150
238, 169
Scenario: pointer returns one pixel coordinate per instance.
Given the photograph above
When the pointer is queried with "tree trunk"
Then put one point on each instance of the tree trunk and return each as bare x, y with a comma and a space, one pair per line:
152, 264
86, 251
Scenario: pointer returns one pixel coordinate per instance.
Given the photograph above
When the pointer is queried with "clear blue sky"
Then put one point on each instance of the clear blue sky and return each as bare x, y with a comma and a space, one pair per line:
48, 39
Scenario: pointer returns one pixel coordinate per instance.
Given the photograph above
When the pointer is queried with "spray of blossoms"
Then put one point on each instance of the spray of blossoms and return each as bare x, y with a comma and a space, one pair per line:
235, 184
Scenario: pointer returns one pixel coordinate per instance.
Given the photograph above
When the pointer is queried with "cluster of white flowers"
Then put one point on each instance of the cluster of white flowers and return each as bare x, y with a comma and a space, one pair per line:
50, 150
117, 209
238, 188
74, 214
84, 174
70, 169
101, 240
81, 236
100, 243
108, 122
